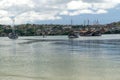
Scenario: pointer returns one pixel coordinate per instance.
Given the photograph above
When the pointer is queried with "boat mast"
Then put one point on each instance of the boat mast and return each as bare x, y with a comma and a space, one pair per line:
71, 22
12, 26
88, 22
97, 24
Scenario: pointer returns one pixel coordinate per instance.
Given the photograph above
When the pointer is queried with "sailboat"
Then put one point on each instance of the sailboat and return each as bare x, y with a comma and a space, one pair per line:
90, 32
13, 34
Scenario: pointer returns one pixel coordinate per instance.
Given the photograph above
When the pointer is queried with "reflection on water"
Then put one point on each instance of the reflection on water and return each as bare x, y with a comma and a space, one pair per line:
59, 58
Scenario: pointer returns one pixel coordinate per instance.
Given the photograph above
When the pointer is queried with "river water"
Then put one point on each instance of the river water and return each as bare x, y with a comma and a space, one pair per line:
60, 58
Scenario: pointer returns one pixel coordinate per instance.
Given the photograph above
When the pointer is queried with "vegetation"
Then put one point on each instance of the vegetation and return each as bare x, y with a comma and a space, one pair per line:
37, 30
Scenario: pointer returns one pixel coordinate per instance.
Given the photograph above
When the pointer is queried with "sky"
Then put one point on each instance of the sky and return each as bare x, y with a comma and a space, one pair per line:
59, 11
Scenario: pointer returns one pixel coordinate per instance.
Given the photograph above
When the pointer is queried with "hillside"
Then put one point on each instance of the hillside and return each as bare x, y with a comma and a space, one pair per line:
56, 29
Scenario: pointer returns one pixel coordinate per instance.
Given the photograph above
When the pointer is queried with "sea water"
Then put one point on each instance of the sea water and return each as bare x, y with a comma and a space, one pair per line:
60, 58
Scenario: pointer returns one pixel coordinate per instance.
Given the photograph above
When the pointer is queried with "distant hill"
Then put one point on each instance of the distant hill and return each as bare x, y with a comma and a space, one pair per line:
113, 28
114, 23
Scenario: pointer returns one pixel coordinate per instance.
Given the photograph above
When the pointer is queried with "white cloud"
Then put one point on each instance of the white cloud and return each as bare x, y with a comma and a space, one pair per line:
87, 11
34, 16
73, 5
93, 1
101, 11
35, 10
64, 13
3, 13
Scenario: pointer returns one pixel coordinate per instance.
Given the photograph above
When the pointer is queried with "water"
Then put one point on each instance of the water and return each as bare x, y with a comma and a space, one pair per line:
60, 58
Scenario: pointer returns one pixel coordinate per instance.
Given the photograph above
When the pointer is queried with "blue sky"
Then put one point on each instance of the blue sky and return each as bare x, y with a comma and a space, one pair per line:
59, 11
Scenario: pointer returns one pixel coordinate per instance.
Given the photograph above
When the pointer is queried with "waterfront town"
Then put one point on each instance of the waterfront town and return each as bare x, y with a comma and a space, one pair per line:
57, 29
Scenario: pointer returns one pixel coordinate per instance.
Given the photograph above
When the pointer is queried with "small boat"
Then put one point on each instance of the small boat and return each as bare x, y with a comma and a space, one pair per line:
73, 35
13, 36
96, 33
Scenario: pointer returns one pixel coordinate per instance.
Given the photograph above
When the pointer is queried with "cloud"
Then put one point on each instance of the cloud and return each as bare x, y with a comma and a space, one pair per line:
32, 16
77, 12
78, 7
93, 1
74, 5
3, 13
40, 10
101, 11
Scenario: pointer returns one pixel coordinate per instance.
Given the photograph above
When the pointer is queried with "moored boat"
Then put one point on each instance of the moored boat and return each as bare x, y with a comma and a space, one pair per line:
13, 36
90, 33
73, 35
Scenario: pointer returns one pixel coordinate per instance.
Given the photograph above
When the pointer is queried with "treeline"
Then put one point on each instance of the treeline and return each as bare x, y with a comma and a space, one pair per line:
55, 29
38, 30
113, 28
35, 29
